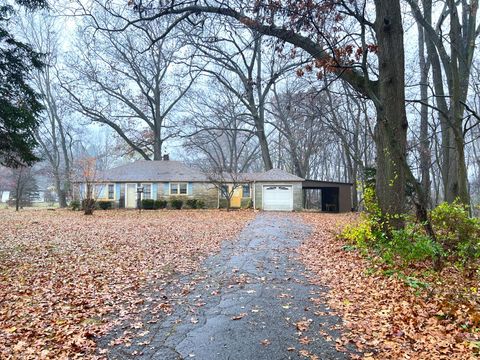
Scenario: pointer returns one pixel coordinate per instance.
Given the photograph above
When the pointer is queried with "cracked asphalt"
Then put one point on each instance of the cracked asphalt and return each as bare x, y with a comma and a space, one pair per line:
244, 303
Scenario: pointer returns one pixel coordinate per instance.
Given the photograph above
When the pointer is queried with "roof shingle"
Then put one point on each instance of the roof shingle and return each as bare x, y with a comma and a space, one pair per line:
166, 171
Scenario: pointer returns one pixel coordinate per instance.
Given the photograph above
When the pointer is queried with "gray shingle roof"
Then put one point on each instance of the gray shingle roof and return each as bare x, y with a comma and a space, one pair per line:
160, 171
272, 175
165, 171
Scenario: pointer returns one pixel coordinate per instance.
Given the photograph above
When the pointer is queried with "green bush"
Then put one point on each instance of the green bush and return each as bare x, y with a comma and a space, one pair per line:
401, 247
160, 204
176, 204
148, 204
195, 204
191, 203
247, 203
409, 246
75, 205
457, 233
104, 205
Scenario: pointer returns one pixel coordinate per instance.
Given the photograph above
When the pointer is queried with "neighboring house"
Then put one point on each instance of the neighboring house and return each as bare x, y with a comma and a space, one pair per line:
4, 196
166, 179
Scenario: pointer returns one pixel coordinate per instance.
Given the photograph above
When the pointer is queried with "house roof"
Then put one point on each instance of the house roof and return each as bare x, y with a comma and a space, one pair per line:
272, 175
169, 170
144, 170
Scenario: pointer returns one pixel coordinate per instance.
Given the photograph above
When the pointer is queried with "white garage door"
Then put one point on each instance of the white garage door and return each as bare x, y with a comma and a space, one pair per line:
278, 197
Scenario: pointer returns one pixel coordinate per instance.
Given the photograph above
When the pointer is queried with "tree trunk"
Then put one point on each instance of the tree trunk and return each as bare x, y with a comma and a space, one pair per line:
391, 127
424, 147
62, 202
17, 201
157, 148
262, 140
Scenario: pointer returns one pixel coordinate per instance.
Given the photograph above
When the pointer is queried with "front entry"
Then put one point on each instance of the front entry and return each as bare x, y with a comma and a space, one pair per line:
236, 200
131, 201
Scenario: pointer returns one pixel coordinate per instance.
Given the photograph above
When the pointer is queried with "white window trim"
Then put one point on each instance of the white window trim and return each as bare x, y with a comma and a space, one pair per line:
102, 187
114, 197
177, 183
151, 190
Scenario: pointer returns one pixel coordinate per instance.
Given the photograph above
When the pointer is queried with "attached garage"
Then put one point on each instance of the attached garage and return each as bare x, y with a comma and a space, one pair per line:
276, 190
278, 197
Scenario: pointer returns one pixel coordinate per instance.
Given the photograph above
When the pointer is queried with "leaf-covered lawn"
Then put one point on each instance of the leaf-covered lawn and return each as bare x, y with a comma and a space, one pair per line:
389, 316
64, 277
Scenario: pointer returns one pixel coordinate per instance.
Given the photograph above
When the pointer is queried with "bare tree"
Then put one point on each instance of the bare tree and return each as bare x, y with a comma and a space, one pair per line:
126, 82
451, 70
22, 182
87, 179
226, 182
243, 63
54, 134
219, 133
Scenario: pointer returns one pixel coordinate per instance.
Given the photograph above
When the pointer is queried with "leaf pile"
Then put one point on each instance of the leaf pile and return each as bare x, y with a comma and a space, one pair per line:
65, 277
387, 317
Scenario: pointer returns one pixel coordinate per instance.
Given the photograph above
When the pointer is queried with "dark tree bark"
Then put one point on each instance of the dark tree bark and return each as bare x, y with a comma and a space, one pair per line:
424, 146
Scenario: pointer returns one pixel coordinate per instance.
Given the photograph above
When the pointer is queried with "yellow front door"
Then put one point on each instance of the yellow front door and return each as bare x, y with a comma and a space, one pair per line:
236, 200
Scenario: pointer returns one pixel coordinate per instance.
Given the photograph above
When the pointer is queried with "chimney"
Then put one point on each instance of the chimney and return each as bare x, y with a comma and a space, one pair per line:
166, 157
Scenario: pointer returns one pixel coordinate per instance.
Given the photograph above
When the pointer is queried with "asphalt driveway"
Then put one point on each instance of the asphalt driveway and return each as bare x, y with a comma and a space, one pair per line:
251, 301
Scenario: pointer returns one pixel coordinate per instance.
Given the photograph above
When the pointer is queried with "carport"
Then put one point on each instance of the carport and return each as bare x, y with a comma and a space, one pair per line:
327, 196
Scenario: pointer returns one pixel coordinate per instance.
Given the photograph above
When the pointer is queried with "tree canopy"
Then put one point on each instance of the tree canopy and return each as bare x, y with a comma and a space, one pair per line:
19, 103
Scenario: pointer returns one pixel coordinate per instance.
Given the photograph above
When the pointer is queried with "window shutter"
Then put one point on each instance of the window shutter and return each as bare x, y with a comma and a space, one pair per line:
190, 189
166, 188
154, 191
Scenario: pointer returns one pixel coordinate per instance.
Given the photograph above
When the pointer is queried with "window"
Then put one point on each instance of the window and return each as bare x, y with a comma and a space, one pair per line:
98, 191
147, 191
246, 190
111, 191
178, 189
224, 191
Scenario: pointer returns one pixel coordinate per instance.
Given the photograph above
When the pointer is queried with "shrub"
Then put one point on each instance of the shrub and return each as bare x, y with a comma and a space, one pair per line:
176, 204
458, 234
88, 205
160, 204
148, 204
105, 205
247, 203
75, 205
192, 203
402, 247
409, 247
200, 204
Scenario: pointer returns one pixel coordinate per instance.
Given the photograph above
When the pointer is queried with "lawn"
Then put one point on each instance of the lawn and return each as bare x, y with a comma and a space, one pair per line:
65, 278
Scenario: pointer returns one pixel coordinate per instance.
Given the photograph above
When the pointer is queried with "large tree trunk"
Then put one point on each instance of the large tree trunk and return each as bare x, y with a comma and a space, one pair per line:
62, 202
262, 140
391, 127
456, 184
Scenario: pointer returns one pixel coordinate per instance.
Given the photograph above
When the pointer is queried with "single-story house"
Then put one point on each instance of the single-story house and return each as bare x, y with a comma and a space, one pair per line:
166, 179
